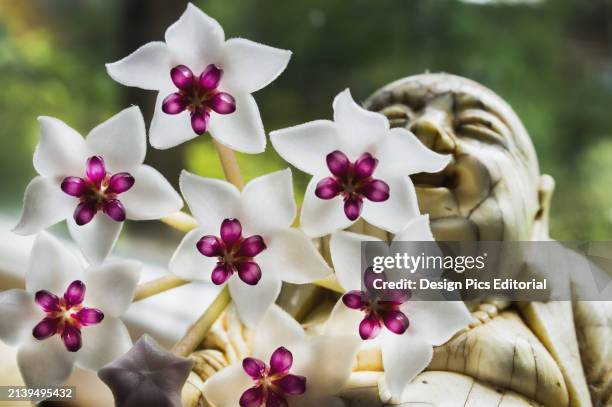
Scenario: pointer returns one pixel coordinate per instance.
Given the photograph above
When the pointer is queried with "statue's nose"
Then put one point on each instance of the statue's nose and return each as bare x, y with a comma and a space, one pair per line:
434, 125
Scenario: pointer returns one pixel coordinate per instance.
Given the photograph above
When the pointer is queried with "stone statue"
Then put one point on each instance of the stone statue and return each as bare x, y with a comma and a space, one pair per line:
513, 354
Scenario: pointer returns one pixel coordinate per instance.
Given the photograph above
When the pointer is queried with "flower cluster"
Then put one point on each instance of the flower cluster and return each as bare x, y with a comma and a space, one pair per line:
245, 238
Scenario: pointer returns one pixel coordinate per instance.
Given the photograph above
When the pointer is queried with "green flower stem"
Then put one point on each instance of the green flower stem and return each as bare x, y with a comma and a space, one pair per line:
195, 335
159, 285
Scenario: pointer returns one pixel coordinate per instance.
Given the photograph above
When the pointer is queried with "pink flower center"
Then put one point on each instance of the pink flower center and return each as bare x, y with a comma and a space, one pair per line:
352, 181
65, 316
198, 95
98, 190
273, 383
235, 254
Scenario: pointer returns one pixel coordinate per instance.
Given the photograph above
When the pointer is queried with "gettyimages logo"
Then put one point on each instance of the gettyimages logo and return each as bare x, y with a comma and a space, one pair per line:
517, 271
422, 261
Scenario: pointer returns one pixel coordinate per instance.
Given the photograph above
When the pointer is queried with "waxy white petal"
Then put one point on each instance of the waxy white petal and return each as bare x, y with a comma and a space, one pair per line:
52, 266
307, 145
44, 363
224, 388
361, 127
169, 130
268, 202
103, 343
394, 213
325, 378
151, 196
343, 320
188, 263
18, 315
111, 286
121, 141
44, 204
210, 200
401, 152
97, 238
147, 68
277, 328
242, 130
195, 39
252, 301
404, 356
61, 151
319, 216
291, 257
436, 321
416, 230
249, 66
346, 256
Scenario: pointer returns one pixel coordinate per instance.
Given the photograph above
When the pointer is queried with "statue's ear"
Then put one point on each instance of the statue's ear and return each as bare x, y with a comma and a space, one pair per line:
546, 189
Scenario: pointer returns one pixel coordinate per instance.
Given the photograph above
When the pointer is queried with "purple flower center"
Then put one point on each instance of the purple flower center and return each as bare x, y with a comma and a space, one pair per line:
377, 314
234, 253
272, 383
65, 316
198, 95
98, 190
352, 181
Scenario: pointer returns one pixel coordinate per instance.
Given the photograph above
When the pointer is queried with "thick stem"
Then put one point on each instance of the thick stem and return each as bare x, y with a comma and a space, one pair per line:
200, 328
229, 163
159, 285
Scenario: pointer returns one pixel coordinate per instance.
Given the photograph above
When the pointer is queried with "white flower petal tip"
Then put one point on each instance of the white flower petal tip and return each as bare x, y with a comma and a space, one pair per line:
300, 364
145, 68
44, 205
205, 83
158, 386
245, 239
67, 315
95, 183
251, 66
360, 168
416, 230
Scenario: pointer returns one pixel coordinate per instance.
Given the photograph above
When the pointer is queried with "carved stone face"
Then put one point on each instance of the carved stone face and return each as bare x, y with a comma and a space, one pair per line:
490, 189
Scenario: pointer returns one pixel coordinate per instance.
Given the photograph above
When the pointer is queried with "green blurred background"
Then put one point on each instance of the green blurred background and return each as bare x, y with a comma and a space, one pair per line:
552, 61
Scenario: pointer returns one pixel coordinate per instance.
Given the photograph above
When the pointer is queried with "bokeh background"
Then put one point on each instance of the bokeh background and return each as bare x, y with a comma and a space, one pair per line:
551, 60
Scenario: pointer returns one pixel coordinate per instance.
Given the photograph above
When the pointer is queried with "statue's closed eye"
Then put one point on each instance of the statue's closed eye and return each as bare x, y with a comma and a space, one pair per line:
483, 126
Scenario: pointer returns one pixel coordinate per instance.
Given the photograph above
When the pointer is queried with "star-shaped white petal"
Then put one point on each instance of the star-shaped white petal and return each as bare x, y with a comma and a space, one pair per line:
265, 208
432, 323
197, 41
324, 361
381, 193
109, 288
62, 153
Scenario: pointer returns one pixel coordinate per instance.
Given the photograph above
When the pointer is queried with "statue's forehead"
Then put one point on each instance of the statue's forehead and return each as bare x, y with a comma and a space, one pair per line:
416, 93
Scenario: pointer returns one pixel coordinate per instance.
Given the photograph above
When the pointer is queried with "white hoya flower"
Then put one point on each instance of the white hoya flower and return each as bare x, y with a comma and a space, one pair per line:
246, 237
204, 83
407, 329
94, 183
68, 314
286, 368
360, 168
